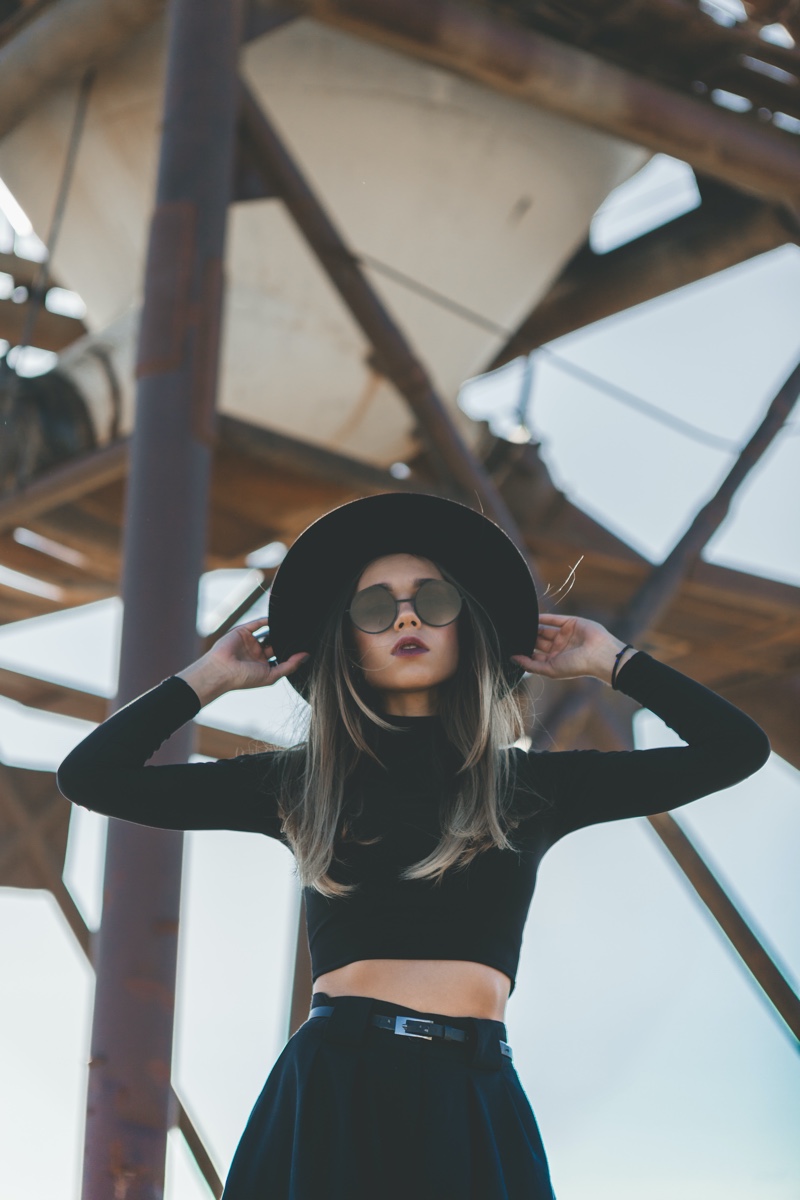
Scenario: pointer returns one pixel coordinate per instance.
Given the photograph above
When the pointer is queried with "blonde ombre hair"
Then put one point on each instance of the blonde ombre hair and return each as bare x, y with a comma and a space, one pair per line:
481, 716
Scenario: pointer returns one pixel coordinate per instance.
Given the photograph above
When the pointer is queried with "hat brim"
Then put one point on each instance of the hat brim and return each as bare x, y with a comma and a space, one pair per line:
340, 544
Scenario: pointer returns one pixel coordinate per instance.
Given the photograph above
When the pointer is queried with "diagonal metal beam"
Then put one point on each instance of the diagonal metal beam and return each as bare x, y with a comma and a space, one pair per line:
730, 920
65, 483
31, 843
236, 614
644, 610
658, 591
395, 357
649, 603
727, 228
289, 455
198, 1149
19, 844
301, 977
530, 66
773, 985
58, 698
183, 1122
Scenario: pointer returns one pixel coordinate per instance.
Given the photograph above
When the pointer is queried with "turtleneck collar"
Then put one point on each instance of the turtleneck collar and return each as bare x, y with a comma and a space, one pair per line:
412, 723
414, 745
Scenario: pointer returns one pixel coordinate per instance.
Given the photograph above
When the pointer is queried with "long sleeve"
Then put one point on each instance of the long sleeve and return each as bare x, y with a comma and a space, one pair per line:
586, 787
106, 772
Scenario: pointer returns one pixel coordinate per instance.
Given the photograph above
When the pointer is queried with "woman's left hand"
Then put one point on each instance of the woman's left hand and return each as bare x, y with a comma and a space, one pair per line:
568, 647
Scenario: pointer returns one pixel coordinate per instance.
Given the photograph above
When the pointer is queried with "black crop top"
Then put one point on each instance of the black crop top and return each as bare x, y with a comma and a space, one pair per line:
477, 913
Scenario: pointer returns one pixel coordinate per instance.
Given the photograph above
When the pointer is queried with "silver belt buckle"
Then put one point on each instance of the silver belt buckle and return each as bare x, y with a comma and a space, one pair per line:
401, 1022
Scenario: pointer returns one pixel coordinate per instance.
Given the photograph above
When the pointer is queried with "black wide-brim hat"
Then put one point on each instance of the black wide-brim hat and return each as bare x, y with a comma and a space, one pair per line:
336, 548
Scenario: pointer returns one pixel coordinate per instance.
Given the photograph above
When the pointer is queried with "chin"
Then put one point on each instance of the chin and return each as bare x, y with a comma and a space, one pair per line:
415, 681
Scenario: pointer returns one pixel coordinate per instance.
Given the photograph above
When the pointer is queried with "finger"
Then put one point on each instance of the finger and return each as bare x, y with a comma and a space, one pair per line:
550, 631
291, 664
547, 635
297, 660
533, 666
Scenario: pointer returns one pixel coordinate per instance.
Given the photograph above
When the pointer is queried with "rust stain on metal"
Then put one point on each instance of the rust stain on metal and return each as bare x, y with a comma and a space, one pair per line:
122, 1173
158, 1070
420, 22
150, 991
166, 314
206, 352
168, 925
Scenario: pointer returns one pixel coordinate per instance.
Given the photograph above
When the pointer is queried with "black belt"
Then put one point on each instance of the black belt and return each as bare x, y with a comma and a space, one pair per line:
412, 1027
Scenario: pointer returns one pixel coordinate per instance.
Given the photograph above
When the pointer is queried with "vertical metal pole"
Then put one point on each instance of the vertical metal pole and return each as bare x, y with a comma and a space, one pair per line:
129, 1104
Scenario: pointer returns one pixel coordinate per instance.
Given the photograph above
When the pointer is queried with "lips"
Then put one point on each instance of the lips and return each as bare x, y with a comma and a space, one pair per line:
409, 645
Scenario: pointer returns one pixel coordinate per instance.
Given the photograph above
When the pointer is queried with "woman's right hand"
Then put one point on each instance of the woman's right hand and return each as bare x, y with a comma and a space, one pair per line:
237, 660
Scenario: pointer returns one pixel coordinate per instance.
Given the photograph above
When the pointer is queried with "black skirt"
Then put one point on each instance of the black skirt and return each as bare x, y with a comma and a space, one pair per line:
350, 1111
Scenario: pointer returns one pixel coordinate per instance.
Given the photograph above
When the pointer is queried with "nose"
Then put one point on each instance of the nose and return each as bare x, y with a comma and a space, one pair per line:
406, 617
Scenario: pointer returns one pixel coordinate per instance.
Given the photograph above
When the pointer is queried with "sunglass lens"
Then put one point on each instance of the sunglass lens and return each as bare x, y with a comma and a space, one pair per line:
437, 602
373, 609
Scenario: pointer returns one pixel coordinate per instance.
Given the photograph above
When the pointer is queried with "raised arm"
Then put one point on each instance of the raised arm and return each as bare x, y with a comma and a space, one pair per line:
106, 772
585, 787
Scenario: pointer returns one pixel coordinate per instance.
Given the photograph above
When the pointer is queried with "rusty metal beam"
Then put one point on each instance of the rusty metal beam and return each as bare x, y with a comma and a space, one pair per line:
266, 16
45, 696
130, 1105
301, 978
75, 479
284, 453
241, 609
658, 591
11, 25
530, 66
30, 843
728, 228
84, 938
52, 330
65, 483
718, 903
707, 887
774, 703
394, 356
198, 1149
646, 608
653, 597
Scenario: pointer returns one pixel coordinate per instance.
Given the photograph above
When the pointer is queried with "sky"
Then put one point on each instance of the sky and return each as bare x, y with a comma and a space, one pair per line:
654, 1065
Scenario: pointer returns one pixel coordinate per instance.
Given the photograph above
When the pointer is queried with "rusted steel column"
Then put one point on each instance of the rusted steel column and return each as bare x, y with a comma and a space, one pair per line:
130, 1106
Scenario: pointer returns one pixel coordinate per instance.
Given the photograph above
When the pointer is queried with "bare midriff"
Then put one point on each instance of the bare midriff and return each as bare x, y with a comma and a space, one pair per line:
453, 988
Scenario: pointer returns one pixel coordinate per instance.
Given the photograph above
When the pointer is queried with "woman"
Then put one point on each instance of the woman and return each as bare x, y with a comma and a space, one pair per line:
417, 826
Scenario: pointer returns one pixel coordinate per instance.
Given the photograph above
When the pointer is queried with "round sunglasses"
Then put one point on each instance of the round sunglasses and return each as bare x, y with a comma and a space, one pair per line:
375, 609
